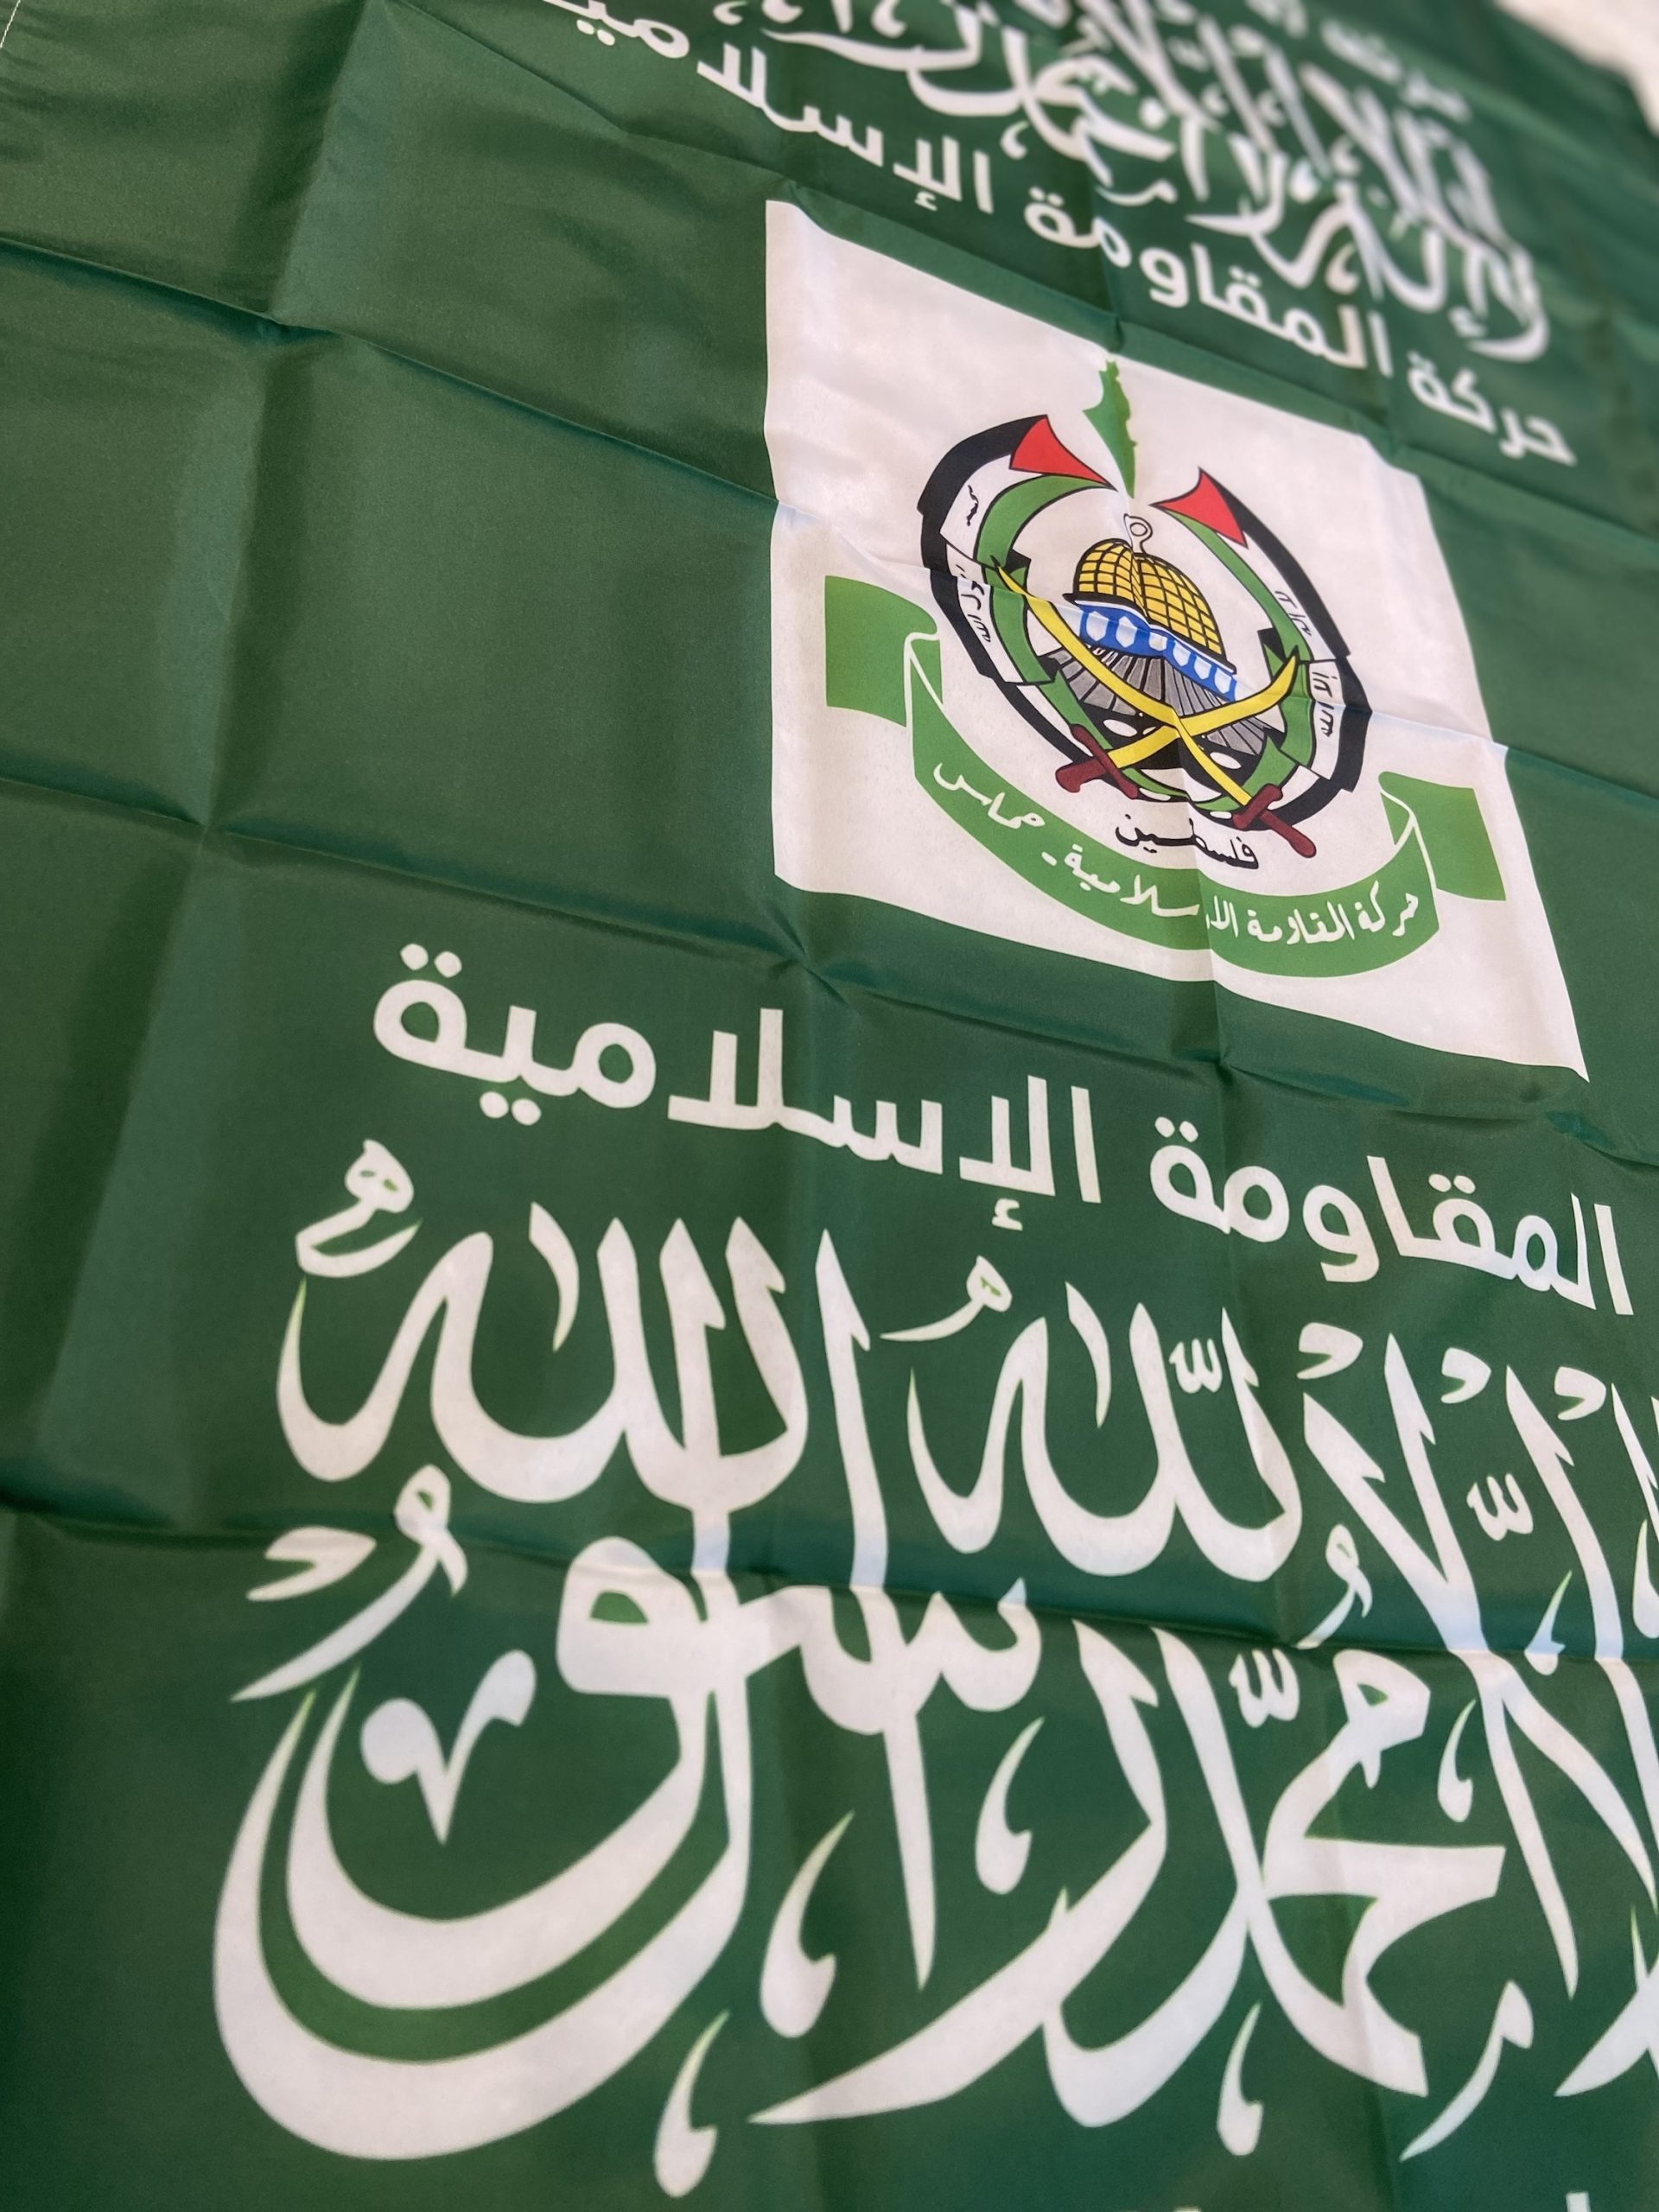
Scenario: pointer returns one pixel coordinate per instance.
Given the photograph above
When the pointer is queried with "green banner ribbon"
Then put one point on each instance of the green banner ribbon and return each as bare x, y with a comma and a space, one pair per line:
882, 657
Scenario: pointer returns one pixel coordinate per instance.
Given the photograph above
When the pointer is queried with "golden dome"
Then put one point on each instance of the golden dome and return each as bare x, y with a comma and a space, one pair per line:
1119, 572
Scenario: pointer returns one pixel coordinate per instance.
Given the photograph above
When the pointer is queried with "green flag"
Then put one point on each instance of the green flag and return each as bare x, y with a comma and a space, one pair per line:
828, 1095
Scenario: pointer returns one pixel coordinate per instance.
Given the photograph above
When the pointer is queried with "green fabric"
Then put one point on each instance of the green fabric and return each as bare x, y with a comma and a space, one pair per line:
1094, 1470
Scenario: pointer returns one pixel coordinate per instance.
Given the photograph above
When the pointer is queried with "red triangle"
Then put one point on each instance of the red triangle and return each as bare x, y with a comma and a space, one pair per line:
1207, 503
1041, 452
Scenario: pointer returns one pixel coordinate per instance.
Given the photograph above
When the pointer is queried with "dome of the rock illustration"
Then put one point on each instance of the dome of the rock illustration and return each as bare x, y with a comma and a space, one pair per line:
1114, 573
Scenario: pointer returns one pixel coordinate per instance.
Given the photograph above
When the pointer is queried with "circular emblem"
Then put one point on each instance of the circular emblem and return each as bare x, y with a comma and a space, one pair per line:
1183, 657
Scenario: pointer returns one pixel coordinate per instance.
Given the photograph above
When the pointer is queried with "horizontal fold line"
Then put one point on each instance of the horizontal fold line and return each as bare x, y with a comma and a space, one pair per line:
1382, 425
94, 1530
740, 940
297, 332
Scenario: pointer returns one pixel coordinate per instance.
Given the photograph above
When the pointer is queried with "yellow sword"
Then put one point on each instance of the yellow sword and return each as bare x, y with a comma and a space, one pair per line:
1187, 729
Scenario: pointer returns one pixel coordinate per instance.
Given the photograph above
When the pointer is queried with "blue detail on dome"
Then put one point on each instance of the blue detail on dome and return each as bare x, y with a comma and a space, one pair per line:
1125, 630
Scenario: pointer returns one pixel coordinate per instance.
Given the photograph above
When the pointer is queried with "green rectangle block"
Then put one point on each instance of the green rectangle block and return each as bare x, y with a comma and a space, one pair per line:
864, 633
1449, 820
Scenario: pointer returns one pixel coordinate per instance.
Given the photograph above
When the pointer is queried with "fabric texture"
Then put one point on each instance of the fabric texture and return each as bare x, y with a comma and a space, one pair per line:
827, 1226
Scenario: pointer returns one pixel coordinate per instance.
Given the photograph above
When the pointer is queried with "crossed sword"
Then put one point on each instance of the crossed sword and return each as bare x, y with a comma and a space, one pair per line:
1250, 812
